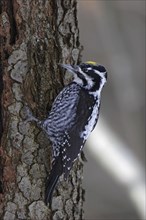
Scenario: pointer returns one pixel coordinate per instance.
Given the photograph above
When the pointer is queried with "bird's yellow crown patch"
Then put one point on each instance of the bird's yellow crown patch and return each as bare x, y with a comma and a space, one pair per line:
91, 62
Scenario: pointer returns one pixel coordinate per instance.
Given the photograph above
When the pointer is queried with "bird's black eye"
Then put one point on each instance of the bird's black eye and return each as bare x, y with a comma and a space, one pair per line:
85, 70
100, 68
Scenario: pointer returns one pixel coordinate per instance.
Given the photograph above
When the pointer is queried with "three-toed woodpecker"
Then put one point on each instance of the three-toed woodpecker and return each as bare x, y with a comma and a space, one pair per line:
73, 116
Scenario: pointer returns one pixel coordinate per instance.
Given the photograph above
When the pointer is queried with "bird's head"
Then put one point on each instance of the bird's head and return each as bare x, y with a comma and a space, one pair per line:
89, 75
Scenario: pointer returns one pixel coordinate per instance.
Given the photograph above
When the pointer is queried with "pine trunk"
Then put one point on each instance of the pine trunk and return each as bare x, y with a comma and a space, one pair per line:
35, 37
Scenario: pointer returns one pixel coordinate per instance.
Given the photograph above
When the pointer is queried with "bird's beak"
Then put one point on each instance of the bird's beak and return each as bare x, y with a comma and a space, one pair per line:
70, 68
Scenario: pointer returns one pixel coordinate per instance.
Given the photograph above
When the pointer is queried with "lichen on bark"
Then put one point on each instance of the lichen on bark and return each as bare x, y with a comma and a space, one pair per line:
35, 37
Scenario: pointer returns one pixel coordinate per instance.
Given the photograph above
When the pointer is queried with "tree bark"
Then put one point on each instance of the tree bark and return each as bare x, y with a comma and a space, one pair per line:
35, 36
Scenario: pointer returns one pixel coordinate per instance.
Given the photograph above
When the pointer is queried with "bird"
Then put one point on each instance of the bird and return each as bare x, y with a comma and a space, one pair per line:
73, 116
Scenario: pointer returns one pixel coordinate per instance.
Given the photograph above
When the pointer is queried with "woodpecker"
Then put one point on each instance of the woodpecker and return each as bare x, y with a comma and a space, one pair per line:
72, 118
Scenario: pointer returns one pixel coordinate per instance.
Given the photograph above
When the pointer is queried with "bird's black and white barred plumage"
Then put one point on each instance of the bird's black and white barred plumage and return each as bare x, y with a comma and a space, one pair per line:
73, 116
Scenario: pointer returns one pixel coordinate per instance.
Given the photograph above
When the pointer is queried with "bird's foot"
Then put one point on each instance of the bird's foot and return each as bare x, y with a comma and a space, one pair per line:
29, 115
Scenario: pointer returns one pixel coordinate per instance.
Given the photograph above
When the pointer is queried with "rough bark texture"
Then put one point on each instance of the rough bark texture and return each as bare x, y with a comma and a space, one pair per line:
35, 36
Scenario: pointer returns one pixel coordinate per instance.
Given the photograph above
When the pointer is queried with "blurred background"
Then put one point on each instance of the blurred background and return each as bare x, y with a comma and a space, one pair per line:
113, 34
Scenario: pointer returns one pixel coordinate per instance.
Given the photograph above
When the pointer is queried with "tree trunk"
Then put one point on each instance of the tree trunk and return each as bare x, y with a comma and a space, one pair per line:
35, 36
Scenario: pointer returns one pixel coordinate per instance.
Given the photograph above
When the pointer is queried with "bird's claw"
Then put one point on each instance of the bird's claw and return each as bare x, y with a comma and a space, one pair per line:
29, 116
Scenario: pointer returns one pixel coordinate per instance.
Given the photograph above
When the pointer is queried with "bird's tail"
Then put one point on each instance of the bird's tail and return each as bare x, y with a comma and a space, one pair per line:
52, 180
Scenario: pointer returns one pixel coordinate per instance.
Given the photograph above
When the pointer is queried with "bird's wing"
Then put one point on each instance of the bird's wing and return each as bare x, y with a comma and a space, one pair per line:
64, 109
71, 109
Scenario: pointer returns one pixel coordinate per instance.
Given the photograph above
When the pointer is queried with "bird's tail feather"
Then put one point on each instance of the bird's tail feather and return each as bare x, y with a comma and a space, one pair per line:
52, 181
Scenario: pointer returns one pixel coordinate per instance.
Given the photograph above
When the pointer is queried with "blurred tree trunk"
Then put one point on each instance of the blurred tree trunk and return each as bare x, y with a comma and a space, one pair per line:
35, 37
